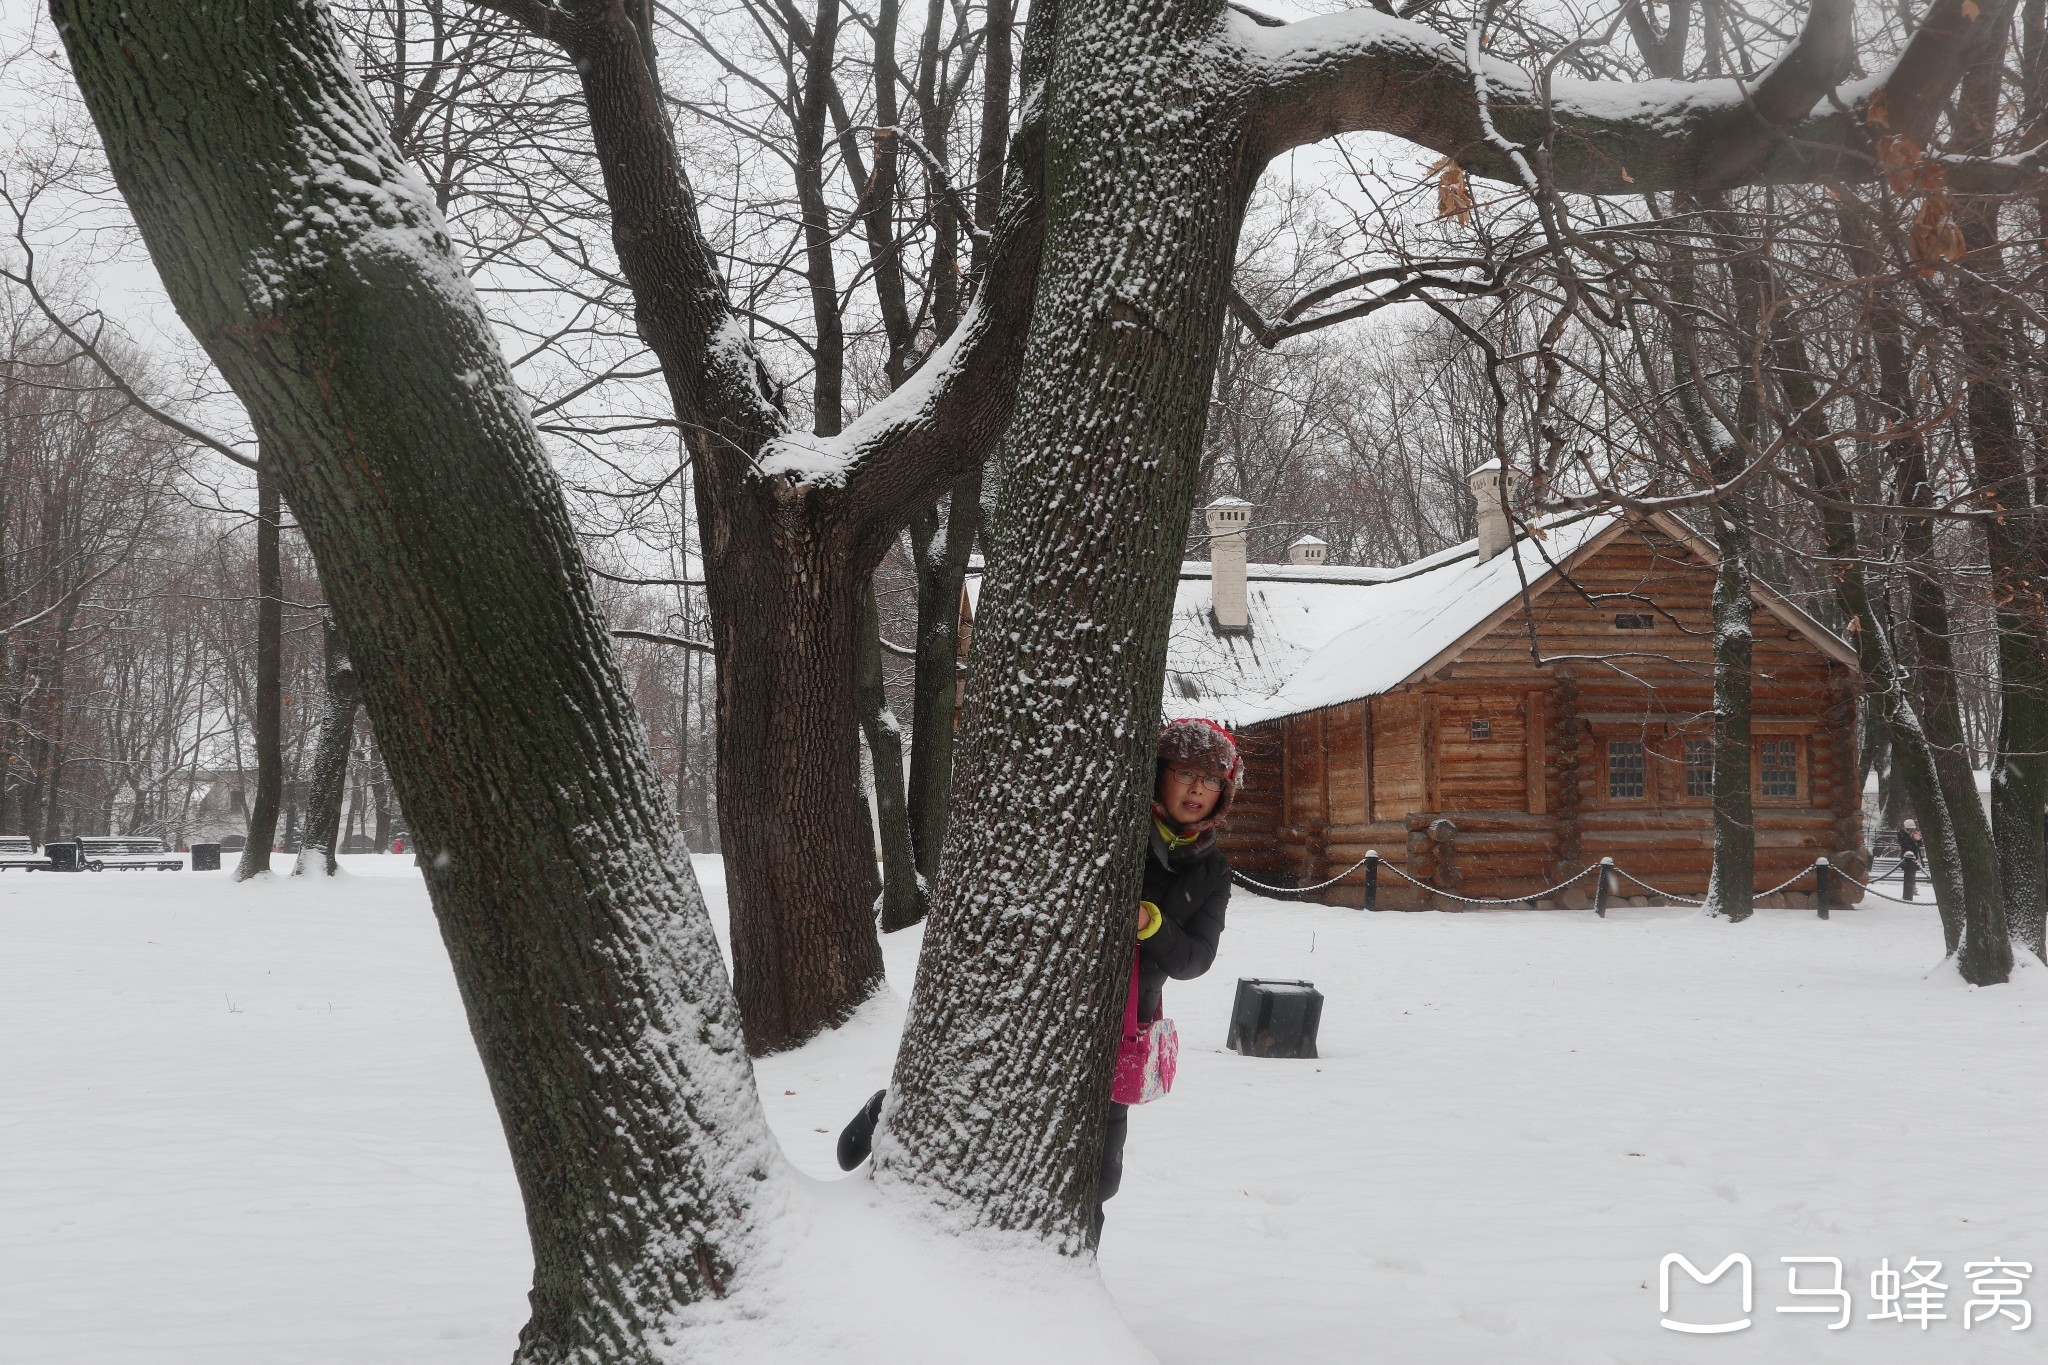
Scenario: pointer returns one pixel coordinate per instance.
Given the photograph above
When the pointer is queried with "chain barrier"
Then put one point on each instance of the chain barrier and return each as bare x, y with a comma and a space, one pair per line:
1502, 900
1386, 866
1297, 890
1608, 864
1658, 890
1872, 891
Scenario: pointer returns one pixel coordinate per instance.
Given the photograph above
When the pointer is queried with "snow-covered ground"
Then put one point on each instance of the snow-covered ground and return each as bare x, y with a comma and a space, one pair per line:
245, 1126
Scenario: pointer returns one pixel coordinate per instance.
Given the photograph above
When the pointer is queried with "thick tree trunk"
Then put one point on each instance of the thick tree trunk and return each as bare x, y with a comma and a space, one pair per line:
1026, 960
790, 808
312, 264
330, 760
1731, 887
903, 888
269, 717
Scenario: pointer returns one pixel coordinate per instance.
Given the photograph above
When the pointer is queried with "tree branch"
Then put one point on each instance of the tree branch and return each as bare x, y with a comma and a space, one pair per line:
1364, 70
656, 637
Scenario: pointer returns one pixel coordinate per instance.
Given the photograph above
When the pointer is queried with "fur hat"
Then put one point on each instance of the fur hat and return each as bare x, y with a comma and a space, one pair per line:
1205, 747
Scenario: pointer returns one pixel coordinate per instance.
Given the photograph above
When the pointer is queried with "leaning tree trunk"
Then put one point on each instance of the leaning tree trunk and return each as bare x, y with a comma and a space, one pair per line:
1028, 954
330, 760
314, 267
269, 716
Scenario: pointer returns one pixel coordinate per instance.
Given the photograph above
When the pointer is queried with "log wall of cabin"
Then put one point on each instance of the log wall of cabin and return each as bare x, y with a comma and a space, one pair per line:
1248, 837
1528, 793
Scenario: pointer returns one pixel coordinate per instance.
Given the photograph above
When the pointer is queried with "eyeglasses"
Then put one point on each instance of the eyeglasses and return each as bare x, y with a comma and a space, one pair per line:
1194, 779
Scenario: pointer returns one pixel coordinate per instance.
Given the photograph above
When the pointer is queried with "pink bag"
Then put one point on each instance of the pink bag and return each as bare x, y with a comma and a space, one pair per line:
1148, 1056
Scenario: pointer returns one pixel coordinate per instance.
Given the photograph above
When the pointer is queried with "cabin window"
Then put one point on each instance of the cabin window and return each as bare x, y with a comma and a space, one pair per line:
1625, 769
1699, 768
1482, 729
1629, 620
1778, 768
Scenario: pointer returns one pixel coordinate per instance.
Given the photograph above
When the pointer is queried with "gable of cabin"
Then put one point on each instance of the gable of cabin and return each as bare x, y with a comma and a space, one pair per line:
1561, 730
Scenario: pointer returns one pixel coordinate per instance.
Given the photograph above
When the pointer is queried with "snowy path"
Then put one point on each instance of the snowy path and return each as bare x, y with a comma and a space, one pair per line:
244, 1126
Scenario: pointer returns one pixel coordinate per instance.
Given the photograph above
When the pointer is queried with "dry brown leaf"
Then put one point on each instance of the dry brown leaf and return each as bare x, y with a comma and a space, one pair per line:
1453, 193
1902, 161
1935, 236
1970, 10
1879, 113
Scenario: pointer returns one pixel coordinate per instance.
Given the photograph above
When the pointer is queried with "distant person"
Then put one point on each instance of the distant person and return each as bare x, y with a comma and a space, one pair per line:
1912, 858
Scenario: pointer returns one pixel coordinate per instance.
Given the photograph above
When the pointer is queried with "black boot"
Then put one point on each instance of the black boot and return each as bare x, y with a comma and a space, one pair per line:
858, 1138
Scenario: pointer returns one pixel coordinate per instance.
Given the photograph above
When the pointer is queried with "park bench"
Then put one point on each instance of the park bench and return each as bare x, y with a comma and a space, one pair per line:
126, 853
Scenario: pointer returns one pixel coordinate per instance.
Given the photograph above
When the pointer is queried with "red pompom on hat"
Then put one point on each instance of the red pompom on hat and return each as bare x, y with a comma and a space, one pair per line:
1205, 747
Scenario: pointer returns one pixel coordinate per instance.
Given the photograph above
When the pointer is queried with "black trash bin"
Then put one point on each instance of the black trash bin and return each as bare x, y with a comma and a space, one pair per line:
63, 857
206, 857
1275, 1018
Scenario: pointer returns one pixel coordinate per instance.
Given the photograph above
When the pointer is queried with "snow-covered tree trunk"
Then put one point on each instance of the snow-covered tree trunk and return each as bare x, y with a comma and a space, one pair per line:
1148, 165
314, 268
322, 839
269, 717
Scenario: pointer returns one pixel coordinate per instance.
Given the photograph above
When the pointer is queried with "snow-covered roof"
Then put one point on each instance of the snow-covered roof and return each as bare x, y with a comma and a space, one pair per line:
1324, 634
1317, 639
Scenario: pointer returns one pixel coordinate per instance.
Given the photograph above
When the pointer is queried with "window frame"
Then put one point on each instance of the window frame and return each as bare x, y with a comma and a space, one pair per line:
1801, 766
1646, 773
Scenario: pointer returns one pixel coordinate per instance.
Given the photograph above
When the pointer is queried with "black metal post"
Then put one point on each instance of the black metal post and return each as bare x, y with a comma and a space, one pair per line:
1821, 872
1372, 879
1600, 887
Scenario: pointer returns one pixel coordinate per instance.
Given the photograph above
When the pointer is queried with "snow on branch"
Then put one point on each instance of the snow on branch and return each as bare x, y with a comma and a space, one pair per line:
1367, 70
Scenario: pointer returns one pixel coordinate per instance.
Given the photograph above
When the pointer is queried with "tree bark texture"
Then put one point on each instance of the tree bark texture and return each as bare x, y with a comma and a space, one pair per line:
313, 266
330, 759
1003, 1074
269, 717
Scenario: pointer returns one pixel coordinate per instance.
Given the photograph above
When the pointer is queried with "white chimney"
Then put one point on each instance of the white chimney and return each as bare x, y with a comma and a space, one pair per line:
1496, 530
1227, 519
1308, 550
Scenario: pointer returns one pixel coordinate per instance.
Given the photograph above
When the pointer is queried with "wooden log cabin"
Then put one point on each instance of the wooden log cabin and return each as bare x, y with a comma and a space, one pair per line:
1500, 716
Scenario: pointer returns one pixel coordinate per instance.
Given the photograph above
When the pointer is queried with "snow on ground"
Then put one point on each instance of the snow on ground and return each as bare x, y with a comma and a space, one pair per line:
245, 1126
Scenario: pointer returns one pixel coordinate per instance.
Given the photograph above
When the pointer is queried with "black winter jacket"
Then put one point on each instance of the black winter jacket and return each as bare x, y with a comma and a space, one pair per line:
1191, 887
